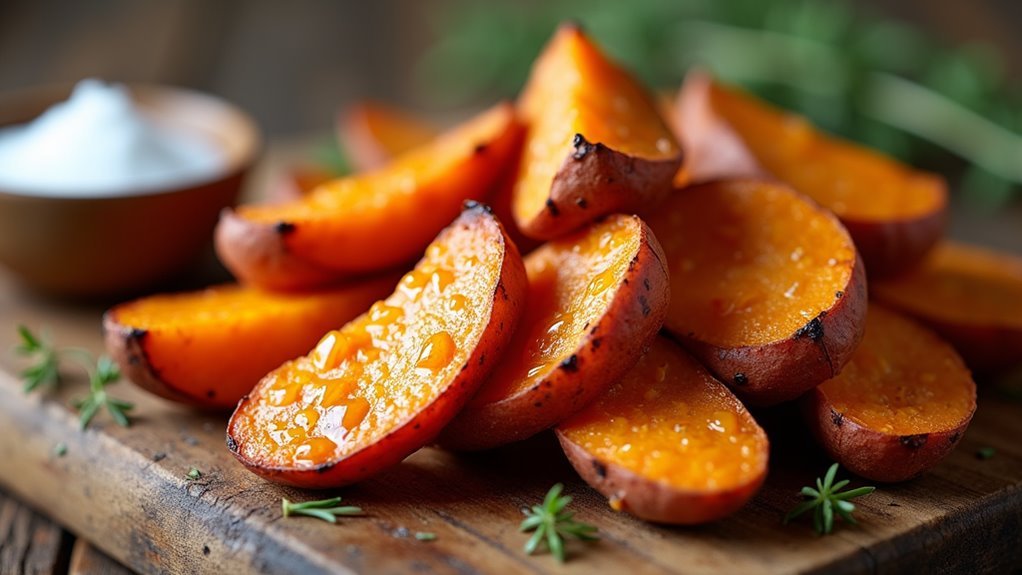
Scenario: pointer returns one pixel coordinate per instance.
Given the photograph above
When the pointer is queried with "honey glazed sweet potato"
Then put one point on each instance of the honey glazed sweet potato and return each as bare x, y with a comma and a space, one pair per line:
374, 391
894, 213
347, 226
767, 289
668, 442
596, 299
899, 406
595, 142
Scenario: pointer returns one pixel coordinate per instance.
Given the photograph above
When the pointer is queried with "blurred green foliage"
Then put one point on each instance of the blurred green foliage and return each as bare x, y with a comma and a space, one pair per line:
880, 82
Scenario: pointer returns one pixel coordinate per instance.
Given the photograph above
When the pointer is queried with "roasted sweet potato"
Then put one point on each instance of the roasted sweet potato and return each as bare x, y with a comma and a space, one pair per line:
374, 391
969, 295
767, 289
899, 406
372, 221
209, 348
596, 299
894, 213
373, 134
595, 142
668, 442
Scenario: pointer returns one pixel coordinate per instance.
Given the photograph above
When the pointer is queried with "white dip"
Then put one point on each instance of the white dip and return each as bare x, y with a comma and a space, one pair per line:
98, 143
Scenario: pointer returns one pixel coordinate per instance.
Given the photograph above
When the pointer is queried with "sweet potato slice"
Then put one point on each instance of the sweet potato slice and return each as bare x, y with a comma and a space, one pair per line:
894, 213
595, 142
969, 295
377, 389
372, 221
900, 405
596, 299
209, 348
766, 287
373, 134
668, 442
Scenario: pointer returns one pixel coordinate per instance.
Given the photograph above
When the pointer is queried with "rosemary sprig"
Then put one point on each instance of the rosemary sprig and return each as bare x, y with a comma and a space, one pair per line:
827, 499
325, 509
105, 373
551, 524
44, 371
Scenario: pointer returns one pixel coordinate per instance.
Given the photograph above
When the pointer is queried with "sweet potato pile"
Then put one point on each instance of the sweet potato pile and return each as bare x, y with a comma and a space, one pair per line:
682, 263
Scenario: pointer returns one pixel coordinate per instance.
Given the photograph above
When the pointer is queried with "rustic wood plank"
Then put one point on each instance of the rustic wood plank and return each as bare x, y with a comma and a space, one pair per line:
29, 543
87, 560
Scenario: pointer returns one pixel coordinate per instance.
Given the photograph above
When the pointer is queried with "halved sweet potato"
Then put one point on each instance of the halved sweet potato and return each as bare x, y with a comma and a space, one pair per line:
894, 213
767, 289
372, 221
209, 348
596, 299
373, 134
385, 384
668, 442
969, 295
595, 142
899, 406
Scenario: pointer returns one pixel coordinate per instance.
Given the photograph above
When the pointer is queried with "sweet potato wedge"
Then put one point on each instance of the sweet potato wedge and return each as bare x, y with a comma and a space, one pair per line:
372, 221
969, 295
668, 442
373, 134
597, 297
595, 141
894, 213
900, 405
209, 348
767, 289
385, 384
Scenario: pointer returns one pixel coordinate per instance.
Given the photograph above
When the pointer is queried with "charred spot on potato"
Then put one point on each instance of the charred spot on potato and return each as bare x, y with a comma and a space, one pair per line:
914, 442
479, 149
645, 284
839, 294
211, 393
550, 205
469, 205
581, 202
205, 550
600, 469
644, 302
813, 330
570, 364
838, 419
954, 438
596, 343
283, 228
232, 445
582, 147
740, 379
537, 404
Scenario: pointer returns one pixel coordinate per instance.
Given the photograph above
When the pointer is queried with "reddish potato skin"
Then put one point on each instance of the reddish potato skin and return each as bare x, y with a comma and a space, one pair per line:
126, 346
872, 454
422, 427
652, 500
257, 255
783, 370
716, 151
610, 349
595, 181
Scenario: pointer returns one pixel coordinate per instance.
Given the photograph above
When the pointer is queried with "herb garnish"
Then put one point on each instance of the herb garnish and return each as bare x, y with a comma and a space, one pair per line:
194, 474
325, 509
425, 536
44, 371
986, 452
552, 523
106, 372
827, 499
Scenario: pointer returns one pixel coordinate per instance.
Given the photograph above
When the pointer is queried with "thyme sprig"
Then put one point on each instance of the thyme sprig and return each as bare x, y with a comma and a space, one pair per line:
326, 509
551, 523
826, 499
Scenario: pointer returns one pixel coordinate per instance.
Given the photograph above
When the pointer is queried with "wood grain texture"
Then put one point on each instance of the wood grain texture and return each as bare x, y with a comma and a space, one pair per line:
126, 489
87, 560
29, 543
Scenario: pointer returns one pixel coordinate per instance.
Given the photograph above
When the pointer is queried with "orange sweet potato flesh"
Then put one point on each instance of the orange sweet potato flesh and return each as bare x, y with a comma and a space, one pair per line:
374, 391
596, 299
900, 405
767, 289
668, 442
894, 213
969, 295
209, 348
372, 221
595, 141
373, 134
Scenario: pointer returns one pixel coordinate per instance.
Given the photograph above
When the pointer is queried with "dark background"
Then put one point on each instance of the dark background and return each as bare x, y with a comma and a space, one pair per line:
293, 63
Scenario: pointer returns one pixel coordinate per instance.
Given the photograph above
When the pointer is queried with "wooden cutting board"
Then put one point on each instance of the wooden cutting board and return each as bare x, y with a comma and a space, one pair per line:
126, 490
